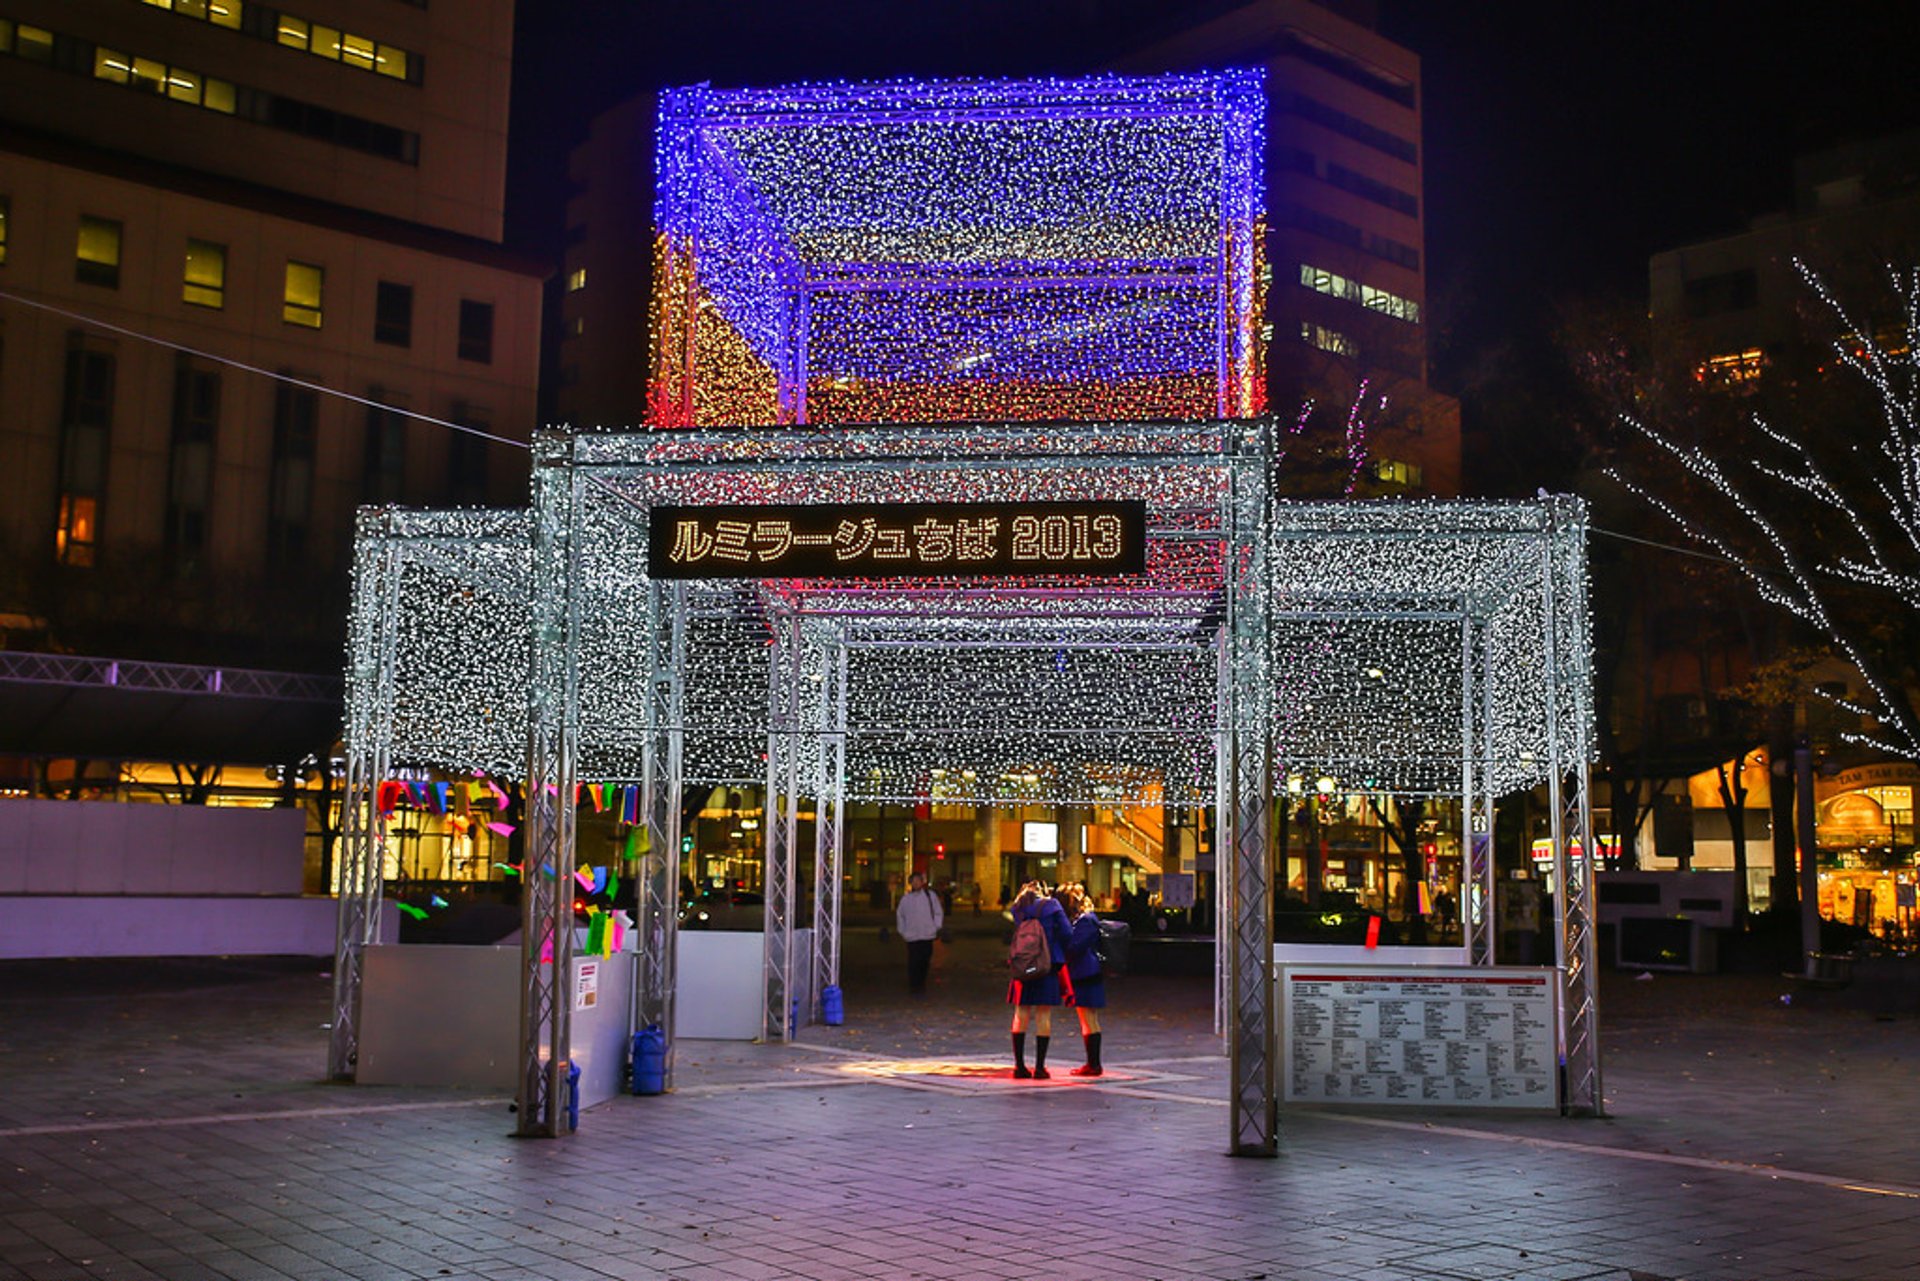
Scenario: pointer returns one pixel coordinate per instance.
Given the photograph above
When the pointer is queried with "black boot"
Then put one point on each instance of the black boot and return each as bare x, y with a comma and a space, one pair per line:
1020, 1072
1092, 1066
1040, 1057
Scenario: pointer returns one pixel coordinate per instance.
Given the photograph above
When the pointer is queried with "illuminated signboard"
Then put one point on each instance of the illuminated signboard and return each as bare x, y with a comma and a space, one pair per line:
1609, 849
898, 540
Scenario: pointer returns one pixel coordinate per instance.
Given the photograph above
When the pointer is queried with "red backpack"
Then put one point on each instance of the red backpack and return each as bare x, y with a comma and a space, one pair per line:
1030, 957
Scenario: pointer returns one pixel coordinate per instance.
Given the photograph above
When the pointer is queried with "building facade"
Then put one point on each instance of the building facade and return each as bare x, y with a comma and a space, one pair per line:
238, 246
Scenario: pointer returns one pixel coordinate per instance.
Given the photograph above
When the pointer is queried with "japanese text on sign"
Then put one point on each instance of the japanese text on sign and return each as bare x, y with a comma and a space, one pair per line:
920, 540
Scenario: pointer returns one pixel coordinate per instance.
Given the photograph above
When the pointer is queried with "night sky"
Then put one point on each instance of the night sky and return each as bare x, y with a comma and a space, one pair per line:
1564, 142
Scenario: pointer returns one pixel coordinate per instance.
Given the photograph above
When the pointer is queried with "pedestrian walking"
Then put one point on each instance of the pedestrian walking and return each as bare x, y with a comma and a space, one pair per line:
919, 918
1087, 980
1033, 999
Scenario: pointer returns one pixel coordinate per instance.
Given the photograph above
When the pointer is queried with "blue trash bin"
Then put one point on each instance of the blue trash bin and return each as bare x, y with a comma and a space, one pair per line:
832, 1010
650, 1060
573, 1096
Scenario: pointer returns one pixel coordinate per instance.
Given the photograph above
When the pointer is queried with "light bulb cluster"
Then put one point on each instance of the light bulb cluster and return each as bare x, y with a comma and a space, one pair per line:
1407, 643
960, 251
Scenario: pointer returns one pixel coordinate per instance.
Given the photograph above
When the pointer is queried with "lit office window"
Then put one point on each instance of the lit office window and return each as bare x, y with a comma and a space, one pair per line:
476, 331
576, 279
302, 304
204, 281
96, 256
345, 47
111, 64
221, 13
1334, 285
150, 75
1328, 340
35, 44
86, 417
1398, 473
1737, 370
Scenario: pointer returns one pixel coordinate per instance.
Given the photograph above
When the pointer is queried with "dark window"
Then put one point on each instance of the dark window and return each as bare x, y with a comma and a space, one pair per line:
1371, 189
3, 230
96, 254
1725, 291
476, 331
296, 412
467, 460
86, 417
1320, 224
393, 314
384, 477
1316, 53
1350, 126
196, 417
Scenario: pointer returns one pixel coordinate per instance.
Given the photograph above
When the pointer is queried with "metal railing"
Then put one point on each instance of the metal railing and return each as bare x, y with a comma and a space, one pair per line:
174, 678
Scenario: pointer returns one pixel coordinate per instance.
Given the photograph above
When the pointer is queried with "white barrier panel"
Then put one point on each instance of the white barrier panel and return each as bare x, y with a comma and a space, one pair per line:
719, 983
1435, 1036
122, 925
104, 848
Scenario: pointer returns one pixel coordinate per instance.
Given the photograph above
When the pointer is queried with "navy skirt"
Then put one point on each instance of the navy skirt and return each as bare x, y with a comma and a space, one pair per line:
1090, 993
1040, 991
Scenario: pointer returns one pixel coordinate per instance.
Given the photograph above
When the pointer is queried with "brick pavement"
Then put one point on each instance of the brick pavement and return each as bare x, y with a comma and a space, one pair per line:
165, 1121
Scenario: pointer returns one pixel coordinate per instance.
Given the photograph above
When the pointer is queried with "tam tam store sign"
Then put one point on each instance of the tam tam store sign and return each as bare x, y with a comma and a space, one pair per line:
898, 540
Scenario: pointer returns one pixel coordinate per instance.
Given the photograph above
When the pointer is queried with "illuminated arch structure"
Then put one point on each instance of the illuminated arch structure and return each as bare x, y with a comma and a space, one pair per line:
1436, 649
997, 257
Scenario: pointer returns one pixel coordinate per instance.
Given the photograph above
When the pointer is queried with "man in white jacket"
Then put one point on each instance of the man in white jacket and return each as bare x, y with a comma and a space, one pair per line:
919, 918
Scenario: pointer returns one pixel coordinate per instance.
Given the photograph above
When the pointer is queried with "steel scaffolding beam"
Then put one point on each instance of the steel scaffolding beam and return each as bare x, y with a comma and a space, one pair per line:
553, 724
376, 585
665, 742
786, 659
829, 821
1254, 1116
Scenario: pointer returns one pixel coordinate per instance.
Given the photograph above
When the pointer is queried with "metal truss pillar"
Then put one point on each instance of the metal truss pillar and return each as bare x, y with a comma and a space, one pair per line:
376, 587
782, 818
1569, 731
1476, 799
829, 819
1247, 832
553, 728
661, 758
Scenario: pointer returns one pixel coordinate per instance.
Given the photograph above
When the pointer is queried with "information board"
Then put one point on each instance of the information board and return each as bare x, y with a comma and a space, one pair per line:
1443, 1036
892, 540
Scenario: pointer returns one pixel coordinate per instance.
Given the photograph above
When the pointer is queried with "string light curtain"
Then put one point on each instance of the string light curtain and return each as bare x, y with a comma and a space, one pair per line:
960, 251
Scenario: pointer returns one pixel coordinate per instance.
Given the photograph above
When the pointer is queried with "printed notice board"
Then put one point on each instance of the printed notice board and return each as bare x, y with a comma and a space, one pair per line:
1435, 1036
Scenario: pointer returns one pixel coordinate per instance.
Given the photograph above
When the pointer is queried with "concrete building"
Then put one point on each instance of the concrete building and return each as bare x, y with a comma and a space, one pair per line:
197, 196
1733, 304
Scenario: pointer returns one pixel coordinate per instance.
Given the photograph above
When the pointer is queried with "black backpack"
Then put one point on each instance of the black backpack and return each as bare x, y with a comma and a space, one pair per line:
1116, 937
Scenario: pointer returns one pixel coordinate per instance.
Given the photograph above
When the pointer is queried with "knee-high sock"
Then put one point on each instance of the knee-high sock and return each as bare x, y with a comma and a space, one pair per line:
1093, 1049
1020, 1049
1040, 1050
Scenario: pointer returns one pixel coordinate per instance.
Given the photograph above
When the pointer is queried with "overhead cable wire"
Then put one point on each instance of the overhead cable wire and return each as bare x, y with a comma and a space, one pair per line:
276, 375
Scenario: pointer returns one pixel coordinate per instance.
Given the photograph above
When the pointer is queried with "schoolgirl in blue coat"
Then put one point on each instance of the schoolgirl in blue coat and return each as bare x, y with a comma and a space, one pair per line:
1084, 972
1034, 999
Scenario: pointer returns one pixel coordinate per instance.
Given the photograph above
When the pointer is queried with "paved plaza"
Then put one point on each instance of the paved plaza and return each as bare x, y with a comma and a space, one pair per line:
166, 1120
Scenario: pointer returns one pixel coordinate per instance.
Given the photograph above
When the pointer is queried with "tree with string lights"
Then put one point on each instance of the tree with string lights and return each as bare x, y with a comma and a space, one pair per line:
1822, 517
